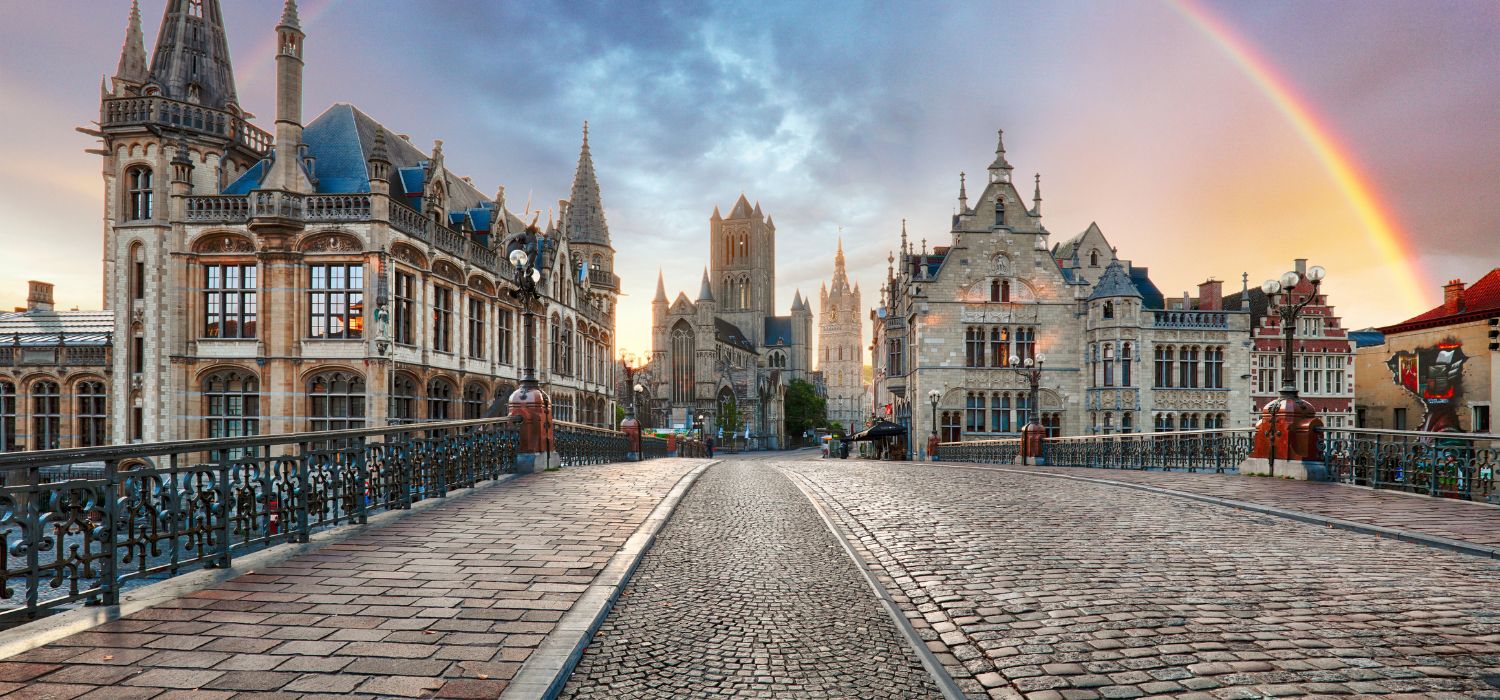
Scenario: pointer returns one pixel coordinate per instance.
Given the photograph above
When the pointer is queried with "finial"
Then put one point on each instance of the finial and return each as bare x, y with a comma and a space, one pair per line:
585, 133
924, 247
1036, 199
437, 149
289, 15
1000, 162
963, 192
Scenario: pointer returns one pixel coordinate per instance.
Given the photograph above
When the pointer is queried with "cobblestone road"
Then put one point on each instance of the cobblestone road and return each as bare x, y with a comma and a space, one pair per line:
448, 602
746, 594
1051, 588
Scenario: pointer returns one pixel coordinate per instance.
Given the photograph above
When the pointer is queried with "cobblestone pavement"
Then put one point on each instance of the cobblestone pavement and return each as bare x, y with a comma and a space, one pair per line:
448, 602
1050, 588
746, 594
1468, 521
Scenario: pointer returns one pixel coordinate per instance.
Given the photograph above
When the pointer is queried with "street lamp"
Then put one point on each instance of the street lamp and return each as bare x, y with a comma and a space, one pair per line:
1032, 371
1289, 418
934, 396
529, 402
1279, 292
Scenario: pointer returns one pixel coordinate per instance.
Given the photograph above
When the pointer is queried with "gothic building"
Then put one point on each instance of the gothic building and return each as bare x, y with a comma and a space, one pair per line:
54, 375
726, 356
841, 356
329, 275
962, 321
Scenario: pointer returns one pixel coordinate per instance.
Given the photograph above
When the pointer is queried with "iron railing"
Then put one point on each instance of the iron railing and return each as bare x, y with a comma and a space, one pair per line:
154, 510
1449, 465
585, 444
1185, 450
653, 447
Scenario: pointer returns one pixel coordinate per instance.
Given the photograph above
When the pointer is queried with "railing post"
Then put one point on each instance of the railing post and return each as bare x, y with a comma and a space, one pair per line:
302, 504
225, 510
109, 593
361, 485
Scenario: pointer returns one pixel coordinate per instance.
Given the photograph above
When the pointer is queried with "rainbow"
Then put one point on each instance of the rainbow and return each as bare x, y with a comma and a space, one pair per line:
261, 62
1337, 159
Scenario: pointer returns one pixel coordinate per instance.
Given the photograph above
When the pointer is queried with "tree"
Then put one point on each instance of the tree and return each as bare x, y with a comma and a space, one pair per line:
730, 418
804, 409
836, 427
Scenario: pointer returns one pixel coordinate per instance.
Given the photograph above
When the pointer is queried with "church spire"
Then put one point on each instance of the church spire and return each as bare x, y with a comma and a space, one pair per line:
661, 287
585, 223
191, 62
1000, 169
132, 68
963, 193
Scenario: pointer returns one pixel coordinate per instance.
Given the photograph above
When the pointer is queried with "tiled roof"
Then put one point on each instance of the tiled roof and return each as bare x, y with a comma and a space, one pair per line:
43, 327
1151, 297
1115, 282
1259, 302
1367, 337
727, 332
1481, 300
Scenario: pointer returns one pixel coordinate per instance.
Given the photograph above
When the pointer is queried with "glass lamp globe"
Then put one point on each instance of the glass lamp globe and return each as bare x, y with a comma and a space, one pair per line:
934, 395
1317, 273
1014, 361
1270, 287
1030, 362
1040, 358
518, 257
1290, 280
639, 388
536, 275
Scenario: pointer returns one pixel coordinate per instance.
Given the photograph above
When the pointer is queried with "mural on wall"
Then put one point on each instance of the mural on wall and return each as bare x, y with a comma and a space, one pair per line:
1435, 375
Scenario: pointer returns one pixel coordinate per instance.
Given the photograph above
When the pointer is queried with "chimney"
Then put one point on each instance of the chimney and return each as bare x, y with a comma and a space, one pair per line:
40, 298
1453, 296
1211, 295
1301, 266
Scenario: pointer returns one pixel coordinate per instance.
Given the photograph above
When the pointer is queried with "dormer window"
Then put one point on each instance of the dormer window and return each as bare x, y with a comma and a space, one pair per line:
1093, 258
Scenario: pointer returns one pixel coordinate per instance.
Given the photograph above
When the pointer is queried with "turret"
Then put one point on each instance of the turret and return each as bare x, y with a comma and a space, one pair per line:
191, 63
131, 72
289, 172
1000, 168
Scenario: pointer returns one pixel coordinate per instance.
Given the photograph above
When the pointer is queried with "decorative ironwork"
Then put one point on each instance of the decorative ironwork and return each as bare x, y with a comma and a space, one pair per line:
1217, 451
584, 444
1448, 465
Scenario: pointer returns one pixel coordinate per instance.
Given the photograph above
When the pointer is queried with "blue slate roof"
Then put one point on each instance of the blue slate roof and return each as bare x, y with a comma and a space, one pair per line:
248, 180
1151, 297
778, 329
1115, 282
1367, 337
333, 140
1067, 273
727, 332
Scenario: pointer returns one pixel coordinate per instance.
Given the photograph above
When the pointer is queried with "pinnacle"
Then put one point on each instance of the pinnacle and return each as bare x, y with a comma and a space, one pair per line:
289, 15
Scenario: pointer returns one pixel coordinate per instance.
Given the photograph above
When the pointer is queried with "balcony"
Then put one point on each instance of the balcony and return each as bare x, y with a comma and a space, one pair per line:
160, 111
236, 209
1199, 320
604, 279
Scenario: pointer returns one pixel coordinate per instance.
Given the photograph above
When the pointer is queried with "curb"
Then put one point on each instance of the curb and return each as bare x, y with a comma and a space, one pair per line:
945, 683
81, 619
546, 671
1380, 531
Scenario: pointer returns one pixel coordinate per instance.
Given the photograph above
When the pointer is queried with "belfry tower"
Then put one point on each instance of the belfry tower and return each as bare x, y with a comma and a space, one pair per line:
840, 349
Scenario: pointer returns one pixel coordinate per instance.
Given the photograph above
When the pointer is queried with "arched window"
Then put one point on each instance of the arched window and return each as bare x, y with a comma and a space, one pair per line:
440, 400
7, 417
141, 196
92, 418
1125, 367
336, 401
974, 412
1127, 423
1094, 258
1163, 378
46, 416
502, 395
999, 413
1109, 365
999, 346
474, 395
1109, 423
403, 400
1187, 366
1109, 309
231, 407
974, 346
684, 360
999, 209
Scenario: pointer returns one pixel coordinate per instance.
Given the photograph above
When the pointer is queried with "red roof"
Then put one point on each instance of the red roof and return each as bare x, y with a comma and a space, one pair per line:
1480, 300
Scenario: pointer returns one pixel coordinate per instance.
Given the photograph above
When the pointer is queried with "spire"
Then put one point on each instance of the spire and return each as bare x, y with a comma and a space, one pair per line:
288, 171
717, 216
707, 292
963, 193
797, 300
191, 61
1000, 169
903, 236
289, 15
585, 220
379, 162
661, 288
741, 208
132, 68
1036, 199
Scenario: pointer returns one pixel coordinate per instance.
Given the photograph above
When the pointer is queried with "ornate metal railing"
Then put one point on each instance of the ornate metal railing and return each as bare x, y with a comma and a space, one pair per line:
1186, 450
999, 451
585, 444
158, 110
604, 279
1450, 465
155, 510
1191, 319
653, 447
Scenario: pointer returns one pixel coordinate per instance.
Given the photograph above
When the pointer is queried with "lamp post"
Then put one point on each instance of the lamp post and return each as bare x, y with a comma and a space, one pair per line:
537, 449
630, 425
1289, 423
934, 396
1032, 432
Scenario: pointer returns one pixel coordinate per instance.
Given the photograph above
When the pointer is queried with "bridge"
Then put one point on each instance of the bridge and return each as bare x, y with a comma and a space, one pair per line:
413, 561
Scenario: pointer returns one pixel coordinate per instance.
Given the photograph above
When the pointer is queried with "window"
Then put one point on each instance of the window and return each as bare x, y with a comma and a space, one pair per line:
46, 416
1025, 344
91, 416
406, 304
1053, 423
1000, 290
999, 347
1023, 410
1163, 378
1267, 374
476, 328
1213, 368
1109, 309
473, 401
1125, 367
1398, 418
1109, 423
1187, 366
1093, 258
141, 196
999, 209
336, 401
974, 413
1127, 422
442, 319
505, 340
403, 400
950, 427
232, 407
502, 395
895, 362
137, 355
138, 277
973, 347
1481, 422
440, 400
336, 301
229, 301
7, 417
1000, 413
1333, 375
1312, 373
1309, 326
1109, 365
684, 357
567, 349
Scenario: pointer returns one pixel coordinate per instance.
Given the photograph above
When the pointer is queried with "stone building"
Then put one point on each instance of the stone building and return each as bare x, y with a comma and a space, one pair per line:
1115, 355
841, 356
726, 353
1323, 350
331, 275
55, 375
1439, 370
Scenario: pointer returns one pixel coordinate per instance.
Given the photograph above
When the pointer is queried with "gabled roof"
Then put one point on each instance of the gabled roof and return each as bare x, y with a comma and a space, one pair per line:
741, 210
1259, 303
1480, 300
726, 332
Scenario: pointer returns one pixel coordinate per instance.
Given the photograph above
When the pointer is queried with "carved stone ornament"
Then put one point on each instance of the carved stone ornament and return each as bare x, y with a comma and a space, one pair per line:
1001, 266
332, 244
409, 256
226, 244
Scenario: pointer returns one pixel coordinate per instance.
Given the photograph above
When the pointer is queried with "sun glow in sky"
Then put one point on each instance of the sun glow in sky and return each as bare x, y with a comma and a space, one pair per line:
1207, 139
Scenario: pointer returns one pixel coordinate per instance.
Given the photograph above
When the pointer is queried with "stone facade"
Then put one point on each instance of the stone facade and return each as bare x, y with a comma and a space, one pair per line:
55, 375
841, 357
334, 276
1115, 356
726, 356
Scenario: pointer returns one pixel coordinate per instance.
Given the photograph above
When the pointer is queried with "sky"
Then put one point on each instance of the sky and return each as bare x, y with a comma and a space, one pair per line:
1207, 139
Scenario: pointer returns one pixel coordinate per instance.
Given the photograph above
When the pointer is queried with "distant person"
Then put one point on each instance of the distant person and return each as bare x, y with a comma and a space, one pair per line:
710, 445
932, 446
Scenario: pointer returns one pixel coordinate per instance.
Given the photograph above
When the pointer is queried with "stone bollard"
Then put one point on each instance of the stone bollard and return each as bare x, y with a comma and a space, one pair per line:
537, 448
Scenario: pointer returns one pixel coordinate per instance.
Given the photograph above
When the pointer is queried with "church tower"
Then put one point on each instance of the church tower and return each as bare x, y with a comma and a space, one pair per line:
743, 266
840, 347
585, 226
